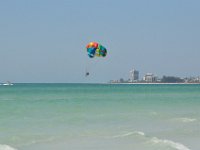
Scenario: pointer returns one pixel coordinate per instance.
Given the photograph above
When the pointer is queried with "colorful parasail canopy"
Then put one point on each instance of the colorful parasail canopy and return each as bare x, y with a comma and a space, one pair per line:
96, 49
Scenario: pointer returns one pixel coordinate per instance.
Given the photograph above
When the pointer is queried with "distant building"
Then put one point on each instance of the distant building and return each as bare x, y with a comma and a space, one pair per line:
192, 80
149, 77
134, 75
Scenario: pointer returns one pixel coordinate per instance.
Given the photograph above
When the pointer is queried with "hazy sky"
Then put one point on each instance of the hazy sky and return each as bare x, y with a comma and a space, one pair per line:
44, 40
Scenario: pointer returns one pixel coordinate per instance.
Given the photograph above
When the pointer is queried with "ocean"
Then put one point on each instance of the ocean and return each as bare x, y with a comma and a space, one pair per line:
100, 117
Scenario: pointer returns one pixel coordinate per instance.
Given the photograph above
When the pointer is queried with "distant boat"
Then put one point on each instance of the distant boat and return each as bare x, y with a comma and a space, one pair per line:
7, 83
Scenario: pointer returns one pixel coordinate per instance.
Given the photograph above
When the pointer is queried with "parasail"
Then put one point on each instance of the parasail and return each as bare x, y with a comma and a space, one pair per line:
95, 49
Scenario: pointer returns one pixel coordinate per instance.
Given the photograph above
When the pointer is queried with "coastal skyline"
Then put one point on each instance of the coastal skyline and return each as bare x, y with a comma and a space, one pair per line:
150, 77
44, 41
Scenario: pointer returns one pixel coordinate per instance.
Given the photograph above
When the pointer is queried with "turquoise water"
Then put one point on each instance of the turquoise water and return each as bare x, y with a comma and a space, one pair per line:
99, 117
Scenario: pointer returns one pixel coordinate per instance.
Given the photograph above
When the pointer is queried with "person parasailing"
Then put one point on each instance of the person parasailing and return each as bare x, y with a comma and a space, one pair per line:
95, 49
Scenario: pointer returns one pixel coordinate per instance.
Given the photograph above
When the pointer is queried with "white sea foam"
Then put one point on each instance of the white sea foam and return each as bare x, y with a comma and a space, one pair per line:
140, 133
129, 134
6, 147
174, 145
187, 120
155, 140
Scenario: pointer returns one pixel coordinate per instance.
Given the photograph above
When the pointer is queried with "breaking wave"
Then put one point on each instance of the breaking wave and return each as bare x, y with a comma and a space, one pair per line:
6, 147
129, 134
174, 145
154, 140
186, 120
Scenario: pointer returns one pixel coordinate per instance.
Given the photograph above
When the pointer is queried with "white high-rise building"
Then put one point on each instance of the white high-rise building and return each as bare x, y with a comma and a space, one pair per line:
149, 77
134, 75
